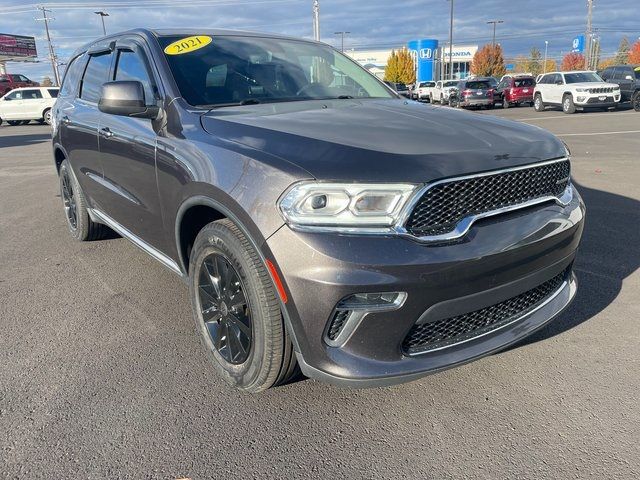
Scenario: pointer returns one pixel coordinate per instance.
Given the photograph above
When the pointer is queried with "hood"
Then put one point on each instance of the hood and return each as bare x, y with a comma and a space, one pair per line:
593, 85
382, 140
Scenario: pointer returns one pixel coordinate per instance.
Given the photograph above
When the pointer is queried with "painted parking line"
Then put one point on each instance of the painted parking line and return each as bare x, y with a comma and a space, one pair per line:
595, 133
567, 117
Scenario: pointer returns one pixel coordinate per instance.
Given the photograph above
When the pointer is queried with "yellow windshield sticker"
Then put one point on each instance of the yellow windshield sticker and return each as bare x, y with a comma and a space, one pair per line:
187, 44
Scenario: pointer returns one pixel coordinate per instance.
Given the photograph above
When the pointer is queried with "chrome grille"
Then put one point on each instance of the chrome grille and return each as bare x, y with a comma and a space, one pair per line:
446, 203
601, 90
450, 331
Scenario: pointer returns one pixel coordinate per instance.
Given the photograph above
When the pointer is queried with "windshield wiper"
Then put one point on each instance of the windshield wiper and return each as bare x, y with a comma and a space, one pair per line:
250, 101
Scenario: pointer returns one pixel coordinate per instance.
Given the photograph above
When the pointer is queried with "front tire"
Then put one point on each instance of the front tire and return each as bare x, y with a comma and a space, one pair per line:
567, 104
237, 311
635, 101
46, 116
80, 225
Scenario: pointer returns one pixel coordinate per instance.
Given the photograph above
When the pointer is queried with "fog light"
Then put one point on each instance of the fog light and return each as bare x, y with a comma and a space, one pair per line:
351, 310
581, 99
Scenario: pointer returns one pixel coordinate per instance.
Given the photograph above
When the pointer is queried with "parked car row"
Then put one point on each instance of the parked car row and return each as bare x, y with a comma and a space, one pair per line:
571, 91
9, 82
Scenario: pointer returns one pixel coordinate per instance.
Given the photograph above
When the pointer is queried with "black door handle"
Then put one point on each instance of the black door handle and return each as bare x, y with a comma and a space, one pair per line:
106, 132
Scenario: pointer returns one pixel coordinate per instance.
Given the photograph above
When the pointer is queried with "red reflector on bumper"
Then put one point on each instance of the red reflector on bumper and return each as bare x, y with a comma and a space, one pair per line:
277, 281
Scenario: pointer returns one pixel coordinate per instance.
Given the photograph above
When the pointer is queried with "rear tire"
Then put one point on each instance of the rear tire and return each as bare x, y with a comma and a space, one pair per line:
46, 116
80, 225
505, 103
538, 104
635, 101
247, 341
567, 104
14, 123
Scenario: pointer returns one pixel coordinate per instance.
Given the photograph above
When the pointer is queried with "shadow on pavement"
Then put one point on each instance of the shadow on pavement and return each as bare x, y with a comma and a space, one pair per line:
23, 140
609, 252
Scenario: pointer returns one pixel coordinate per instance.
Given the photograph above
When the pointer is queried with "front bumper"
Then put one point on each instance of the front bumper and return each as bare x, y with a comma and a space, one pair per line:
596, 101
499, 258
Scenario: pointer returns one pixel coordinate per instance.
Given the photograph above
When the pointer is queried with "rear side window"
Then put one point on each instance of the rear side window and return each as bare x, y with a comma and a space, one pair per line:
95, 75
72, 76
131, 66
53, 92
31, 94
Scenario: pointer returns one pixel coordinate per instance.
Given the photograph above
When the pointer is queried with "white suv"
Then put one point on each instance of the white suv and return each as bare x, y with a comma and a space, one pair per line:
575, 90
423, 90
22, 105
440, 93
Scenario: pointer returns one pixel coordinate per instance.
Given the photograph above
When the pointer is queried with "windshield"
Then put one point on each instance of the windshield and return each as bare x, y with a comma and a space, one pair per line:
478, 85
582, 77
451, 83
523, 82
237, 70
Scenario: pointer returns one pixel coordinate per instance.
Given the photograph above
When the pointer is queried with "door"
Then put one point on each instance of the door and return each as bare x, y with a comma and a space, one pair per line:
128, 152
556, 89
624, 76
12, 105
32, 103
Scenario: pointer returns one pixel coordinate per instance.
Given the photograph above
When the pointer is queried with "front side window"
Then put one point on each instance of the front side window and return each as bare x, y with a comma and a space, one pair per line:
23, 78
131, 66
95, 75
15, 95
233, 70
581, 77
72, 76
31, 94
451, 83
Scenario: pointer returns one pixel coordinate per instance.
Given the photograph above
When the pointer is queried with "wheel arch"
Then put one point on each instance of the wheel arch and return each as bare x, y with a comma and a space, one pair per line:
59, 155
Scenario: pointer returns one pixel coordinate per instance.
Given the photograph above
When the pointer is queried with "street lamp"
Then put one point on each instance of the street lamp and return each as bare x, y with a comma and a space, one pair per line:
342, 34
451, 41
544, 66
495, 22
102, 15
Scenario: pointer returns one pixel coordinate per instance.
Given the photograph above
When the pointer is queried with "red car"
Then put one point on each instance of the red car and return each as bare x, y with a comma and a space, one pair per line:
515, 90
10, 81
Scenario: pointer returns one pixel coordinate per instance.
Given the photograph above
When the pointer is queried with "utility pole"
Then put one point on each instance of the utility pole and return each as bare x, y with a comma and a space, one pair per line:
316, 20
544, 66
587, 36
52, 55
451, 42
342, 34
102, 15
493, 42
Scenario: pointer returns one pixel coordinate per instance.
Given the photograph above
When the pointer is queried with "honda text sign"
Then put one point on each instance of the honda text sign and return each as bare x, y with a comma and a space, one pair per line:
17, 46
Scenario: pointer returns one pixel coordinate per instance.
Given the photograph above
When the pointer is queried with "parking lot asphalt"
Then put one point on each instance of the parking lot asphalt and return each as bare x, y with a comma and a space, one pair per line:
102, 374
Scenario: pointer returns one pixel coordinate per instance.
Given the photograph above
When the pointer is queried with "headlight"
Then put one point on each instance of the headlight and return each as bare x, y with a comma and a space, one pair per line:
582, 89
345, 205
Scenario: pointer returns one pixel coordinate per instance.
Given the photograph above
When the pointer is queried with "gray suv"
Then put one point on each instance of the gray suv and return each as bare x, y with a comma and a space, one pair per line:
322, 223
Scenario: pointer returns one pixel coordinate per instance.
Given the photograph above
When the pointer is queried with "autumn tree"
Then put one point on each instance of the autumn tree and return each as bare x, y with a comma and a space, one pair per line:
400, 67
622, 57
551, 66
488, 62
572, 61
520, 64
534, 64
606, 62
634, 53
46, 82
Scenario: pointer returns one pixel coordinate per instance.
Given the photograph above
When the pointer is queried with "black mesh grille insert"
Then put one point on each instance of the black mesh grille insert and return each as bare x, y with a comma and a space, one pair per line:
443, 206
338, 321
449, 331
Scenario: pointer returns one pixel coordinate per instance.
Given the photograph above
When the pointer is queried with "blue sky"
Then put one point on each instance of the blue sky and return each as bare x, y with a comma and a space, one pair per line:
372, 23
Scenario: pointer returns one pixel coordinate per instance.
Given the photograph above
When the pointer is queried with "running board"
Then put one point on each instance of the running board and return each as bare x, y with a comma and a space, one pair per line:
101, 217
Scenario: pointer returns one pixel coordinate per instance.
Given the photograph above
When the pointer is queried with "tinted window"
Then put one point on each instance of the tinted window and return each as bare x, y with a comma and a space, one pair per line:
23, 78
637, 70
524, 82
31, 94
606, 73
234, 69
53, 92
95, 75
451, 83
131, 66
15, 95
72, 76
478, 84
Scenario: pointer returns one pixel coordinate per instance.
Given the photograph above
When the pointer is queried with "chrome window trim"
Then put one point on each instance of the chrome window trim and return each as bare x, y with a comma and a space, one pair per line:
567, 282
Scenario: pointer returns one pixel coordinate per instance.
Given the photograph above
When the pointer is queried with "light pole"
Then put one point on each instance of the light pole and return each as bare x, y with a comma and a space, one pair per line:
544, 65
495, 22
102, 15
342, 34
52, 53
451, 42
316, 20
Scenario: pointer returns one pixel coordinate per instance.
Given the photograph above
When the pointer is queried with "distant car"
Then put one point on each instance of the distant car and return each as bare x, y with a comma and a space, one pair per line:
627, 77
440, 93
10, 81
423, 90
579, 89
515, 90
399, 88
472, 93
22, 105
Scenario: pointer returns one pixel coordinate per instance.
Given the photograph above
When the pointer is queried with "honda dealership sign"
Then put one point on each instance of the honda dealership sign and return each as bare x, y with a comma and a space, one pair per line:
577, 46
17, 46
424, 53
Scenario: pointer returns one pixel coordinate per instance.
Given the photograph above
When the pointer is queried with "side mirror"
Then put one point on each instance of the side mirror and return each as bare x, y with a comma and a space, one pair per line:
125, 98
559, 82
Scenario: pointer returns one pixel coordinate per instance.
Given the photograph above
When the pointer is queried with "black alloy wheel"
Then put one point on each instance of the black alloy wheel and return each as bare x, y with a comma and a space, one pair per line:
224, 308
69, 200
635, 101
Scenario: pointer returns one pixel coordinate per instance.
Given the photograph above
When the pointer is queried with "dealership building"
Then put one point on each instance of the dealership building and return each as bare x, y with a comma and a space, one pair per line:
432, 61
